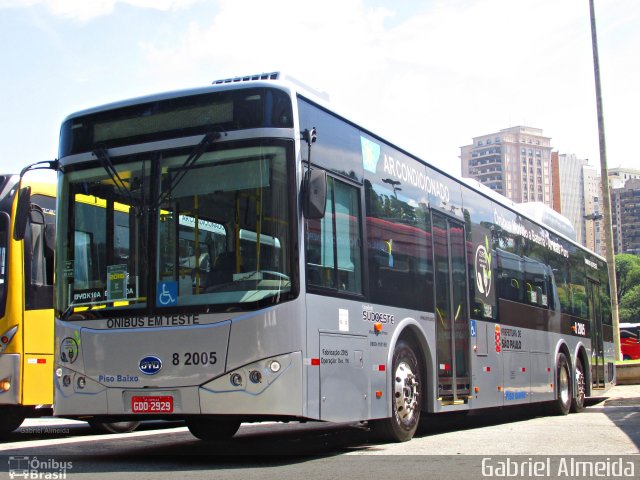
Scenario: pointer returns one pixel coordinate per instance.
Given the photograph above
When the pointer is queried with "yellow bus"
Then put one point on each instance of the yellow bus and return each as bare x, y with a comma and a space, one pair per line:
26, 304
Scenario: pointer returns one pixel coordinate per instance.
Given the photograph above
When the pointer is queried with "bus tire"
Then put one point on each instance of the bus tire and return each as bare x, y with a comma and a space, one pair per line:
213, 429
405, 397
11, 417
562, 404
577, 405
113, 427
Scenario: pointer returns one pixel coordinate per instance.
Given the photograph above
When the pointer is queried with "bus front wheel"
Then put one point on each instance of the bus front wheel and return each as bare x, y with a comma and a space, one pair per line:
213, 429
405, 397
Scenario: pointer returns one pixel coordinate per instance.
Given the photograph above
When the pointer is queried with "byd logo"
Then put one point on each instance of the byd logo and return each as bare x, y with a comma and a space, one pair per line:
150, 365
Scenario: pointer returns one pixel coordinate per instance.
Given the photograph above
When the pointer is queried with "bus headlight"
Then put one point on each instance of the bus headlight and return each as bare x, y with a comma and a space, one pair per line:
275, 366
255, 377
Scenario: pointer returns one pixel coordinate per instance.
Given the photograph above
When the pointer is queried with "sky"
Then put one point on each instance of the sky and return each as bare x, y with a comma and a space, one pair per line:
427, 75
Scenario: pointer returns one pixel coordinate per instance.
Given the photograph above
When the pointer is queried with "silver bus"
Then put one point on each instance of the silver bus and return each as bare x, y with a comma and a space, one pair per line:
260, 257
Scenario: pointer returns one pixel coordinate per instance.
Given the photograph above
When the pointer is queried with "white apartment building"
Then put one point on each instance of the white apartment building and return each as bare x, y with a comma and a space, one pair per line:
515, 162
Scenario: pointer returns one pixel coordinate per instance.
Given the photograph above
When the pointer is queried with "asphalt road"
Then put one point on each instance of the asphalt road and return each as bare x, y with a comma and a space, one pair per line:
607, 432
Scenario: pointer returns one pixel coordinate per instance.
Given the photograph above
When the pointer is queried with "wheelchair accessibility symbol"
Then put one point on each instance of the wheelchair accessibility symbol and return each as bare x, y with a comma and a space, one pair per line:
167, 294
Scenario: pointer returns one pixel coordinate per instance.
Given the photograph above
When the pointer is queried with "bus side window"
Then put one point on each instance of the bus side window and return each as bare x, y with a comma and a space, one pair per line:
49, 249
38, 261
514, 290
510, 276
334, 244
399, 250
536, 275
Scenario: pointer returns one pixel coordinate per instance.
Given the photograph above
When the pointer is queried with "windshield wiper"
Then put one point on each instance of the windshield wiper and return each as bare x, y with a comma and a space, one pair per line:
209, 139
69, 310
101, 154
65, 314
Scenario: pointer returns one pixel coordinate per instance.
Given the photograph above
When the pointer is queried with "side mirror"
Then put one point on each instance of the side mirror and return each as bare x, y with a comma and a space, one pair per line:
22, 213
315, 194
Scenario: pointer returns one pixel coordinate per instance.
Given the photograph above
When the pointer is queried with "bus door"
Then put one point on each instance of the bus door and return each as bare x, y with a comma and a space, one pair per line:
597, 345
451, 309
38, 332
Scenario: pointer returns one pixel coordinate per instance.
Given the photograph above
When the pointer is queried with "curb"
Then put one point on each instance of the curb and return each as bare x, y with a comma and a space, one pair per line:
628, 374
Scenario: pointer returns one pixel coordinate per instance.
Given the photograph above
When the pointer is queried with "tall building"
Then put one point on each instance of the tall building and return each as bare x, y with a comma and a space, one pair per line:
592, 210
555, 182
515, 162
622, 209
625, 217
568, 187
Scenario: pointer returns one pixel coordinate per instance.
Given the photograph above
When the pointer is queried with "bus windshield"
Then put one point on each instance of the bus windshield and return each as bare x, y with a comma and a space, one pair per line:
158, 234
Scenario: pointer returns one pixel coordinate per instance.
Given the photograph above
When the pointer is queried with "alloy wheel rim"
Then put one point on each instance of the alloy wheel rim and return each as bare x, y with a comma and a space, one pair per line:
405, 393
581, 387
563, 384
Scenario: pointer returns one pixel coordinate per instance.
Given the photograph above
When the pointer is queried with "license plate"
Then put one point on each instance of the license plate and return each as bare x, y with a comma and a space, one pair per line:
152, 404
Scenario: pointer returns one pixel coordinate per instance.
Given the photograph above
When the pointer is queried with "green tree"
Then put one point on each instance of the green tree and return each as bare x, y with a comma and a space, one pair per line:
627, 274
628, 278
630, 306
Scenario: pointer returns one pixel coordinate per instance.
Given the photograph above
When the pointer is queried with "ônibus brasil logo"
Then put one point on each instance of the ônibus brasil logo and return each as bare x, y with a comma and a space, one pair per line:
150, 365
483, 268
34, 468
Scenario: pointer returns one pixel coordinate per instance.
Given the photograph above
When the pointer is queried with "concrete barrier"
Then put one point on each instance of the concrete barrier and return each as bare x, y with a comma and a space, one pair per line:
628, 374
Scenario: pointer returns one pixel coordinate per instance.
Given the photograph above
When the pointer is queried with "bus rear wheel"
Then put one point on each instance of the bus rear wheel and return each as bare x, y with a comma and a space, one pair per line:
213, 429
581, 389
405, 397
562, 404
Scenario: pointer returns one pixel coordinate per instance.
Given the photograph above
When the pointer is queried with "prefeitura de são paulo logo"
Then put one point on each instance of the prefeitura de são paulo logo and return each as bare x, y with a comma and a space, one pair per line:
483, 268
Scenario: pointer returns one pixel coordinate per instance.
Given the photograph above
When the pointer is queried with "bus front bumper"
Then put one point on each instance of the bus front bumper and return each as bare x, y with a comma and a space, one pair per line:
269, 387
